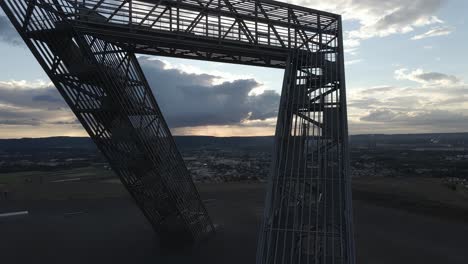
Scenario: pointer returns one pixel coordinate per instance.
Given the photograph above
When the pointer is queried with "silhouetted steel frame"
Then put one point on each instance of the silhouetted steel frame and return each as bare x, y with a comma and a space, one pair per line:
307, 43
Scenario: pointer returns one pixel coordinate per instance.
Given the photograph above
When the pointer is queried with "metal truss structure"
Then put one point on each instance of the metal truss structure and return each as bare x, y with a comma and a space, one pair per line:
88, 47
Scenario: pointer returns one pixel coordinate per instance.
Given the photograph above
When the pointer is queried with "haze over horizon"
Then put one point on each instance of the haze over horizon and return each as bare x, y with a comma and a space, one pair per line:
406, 73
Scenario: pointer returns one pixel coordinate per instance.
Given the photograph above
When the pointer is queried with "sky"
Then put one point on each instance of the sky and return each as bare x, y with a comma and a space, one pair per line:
406, 72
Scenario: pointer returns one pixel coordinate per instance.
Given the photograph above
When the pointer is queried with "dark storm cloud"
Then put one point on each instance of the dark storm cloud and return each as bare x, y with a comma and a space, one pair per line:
186, 100
264, 105
192, 99
29, 96
19, 116
8, 33
31, 104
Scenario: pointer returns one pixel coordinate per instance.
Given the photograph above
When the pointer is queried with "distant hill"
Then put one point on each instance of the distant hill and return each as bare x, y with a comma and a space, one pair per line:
257, 143
47, 143
413, 140
183, 142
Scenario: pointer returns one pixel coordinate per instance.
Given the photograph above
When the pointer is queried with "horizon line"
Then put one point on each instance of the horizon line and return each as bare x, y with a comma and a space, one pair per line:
369, 134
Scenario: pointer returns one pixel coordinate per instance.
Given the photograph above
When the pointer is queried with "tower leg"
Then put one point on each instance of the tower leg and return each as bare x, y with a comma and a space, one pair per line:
307, 210
106, 89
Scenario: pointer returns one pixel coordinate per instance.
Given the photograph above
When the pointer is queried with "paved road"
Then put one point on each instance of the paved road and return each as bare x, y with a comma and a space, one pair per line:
114, 231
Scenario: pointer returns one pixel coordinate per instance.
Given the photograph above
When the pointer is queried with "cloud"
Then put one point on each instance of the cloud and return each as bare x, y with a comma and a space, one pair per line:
70, 122
380, 18
8, 33
37, 103
426, 118
427, 78
196, 104
436, 102
364, 102
434, 32
352, 62
47, 98
379, 89
23, 94
403, 17
189, 100
20, 122
379, 115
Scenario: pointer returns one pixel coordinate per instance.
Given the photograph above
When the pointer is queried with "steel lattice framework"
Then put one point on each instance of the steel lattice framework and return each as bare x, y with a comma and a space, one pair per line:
88, 47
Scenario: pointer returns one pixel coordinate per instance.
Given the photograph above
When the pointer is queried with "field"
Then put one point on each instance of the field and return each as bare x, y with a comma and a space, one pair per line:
77, 183
428, 196
95, 221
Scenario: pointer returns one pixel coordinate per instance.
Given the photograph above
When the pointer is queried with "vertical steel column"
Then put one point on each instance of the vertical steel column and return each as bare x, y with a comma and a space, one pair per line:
308, 213
347, 173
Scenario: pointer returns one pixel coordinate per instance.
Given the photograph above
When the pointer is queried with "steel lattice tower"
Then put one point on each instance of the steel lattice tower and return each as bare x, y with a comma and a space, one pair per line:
88, 47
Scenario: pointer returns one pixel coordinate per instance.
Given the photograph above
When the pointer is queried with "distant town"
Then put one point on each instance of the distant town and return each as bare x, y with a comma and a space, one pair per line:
211, 159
